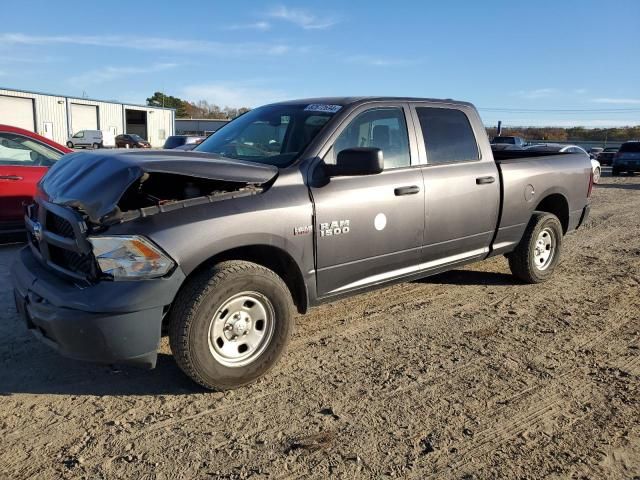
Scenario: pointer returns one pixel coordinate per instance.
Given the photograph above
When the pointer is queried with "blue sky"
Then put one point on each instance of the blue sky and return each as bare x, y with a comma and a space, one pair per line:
556, 62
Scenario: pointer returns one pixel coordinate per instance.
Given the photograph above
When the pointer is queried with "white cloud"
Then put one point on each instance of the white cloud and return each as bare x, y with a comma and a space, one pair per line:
106, 74
227, 95
260, 26
302, 18
40, 59
580, 91
537, 93
151, 43
618, 101
376, 61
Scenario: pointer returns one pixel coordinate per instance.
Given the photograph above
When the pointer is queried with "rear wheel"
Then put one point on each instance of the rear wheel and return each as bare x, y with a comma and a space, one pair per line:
538, 253
596, 175
615, 172
230, 324
96, 146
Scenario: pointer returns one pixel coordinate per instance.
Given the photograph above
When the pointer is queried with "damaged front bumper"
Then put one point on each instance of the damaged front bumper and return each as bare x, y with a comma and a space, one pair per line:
107, 322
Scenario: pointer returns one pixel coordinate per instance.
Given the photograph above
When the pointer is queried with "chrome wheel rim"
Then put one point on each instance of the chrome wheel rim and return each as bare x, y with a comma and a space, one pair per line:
544, 249
241, 329
596, 175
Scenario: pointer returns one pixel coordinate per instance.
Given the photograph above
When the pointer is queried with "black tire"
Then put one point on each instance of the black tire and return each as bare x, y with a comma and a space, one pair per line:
523, 261
95, 146
192, 313
69, 144
615, 172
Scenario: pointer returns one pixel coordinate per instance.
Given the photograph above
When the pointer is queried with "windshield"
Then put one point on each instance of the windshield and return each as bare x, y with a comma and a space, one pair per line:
510, 140
273, 135
175, 141
633, 147
136, 137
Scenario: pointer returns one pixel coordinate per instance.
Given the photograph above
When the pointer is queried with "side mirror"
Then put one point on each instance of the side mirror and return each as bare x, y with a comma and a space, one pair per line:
357, 161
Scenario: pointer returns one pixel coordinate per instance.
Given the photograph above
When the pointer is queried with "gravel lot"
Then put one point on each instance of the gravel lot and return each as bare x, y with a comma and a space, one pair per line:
465, 375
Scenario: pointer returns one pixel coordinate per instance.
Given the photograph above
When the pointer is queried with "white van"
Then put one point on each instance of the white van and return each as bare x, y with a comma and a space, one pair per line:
92, 138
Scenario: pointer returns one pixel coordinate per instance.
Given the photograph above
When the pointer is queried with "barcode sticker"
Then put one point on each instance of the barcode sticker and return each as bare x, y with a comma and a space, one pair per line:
321, 107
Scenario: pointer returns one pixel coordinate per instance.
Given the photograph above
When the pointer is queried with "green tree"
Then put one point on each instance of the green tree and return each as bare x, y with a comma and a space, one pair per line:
159, 99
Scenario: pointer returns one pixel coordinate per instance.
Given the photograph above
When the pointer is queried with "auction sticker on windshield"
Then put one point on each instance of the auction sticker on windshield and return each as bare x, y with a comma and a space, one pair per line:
321, 107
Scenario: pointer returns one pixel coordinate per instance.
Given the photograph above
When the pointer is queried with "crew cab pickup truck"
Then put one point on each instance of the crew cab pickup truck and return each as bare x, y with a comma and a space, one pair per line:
288, 206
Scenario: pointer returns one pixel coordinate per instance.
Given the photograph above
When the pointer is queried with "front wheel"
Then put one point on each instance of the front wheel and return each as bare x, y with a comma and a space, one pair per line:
538, 252
69, 144
596, 175
615, 172
230, 324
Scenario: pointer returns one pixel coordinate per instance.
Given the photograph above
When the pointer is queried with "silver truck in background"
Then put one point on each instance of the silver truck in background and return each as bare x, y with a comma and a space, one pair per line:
288, 206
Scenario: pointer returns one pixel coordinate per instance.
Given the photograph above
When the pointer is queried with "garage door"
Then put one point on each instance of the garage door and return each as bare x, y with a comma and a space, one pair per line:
84, 117
17, 112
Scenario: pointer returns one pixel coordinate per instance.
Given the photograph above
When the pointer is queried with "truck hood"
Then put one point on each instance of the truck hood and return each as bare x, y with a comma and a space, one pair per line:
94, 182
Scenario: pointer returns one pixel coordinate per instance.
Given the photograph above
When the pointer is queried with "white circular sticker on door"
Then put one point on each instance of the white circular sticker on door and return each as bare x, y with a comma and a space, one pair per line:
380, 221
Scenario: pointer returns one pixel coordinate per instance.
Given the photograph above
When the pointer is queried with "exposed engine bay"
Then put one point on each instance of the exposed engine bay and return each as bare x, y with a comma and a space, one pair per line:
160, 192
114, 187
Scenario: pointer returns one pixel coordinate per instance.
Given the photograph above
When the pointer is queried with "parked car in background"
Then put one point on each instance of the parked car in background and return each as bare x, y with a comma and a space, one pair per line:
596, 168
500, 140
606, 156
24, 158
91, 138
178, 140
595, 151
627, 159
131, 140
187, 147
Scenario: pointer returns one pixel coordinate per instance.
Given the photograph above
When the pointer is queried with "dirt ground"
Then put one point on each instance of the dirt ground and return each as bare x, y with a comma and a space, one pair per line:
464, 375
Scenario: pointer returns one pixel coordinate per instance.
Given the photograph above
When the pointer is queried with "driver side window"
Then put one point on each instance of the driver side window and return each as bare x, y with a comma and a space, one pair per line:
383, 128
22, 151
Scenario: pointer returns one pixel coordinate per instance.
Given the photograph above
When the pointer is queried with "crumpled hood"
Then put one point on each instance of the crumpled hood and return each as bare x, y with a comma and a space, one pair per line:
94, 182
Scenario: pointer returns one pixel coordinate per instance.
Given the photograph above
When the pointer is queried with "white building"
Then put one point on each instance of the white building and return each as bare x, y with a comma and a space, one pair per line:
57, 116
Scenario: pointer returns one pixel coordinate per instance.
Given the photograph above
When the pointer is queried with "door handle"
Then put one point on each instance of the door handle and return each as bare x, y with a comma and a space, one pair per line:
10, 177
412, 190
485, 180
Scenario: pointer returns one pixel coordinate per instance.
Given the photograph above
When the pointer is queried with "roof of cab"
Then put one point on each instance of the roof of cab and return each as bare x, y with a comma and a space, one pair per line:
344, 101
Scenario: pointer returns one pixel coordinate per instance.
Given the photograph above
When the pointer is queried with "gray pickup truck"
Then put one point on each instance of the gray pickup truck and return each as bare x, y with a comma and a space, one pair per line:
288, 206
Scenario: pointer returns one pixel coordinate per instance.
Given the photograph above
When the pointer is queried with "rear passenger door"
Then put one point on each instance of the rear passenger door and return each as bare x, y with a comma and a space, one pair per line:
369, 229
462, 188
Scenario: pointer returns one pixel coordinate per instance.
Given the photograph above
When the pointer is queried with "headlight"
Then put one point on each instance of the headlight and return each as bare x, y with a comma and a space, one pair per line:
130, 257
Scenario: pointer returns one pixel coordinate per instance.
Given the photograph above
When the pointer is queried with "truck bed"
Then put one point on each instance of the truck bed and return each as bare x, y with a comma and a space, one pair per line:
502, 154
527, 179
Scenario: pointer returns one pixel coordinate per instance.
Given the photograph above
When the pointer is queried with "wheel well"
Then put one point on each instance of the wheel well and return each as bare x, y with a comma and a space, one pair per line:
558, 205
272, 258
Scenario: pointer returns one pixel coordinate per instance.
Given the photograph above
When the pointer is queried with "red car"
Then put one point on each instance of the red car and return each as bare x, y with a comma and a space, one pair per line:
24, 158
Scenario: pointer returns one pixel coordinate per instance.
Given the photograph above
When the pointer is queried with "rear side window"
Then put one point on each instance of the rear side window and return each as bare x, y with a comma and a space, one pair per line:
633, 147
448, 137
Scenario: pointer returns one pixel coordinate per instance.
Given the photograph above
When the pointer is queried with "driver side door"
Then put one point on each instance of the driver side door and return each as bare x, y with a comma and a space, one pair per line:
369, 229
20, 172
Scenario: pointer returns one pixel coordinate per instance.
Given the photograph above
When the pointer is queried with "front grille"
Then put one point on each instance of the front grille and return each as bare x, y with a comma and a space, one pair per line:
76, 262
57, 236
59, 225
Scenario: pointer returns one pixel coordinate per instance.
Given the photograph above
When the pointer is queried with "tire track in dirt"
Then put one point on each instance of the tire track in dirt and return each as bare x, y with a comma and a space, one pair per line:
486, 440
